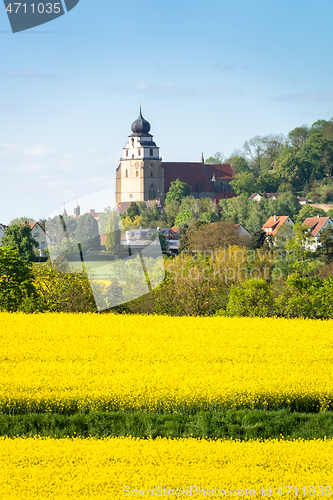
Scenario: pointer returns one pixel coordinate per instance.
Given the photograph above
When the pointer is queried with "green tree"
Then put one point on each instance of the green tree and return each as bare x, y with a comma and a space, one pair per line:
325, 250
177, 191
309, 211
21, 220
20, 237
17, 291
258, 238
252, 298
87, 233
113, 232
216, 159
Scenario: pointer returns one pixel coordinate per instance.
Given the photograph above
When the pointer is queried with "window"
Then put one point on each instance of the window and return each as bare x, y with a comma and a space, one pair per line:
132, 157
151, 152
152, 192
151, 174
139, 152
126, 173
126, 152
36, 235
137, 173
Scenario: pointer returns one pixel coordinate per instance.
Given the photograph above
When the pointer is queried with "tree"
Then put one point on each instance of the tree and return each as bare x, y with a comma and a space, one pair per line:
20, 237
17, 291
325, 250
309, 211
216, 159
252, 298
245, 183
133, 210
21, 220
203, 237
87, 233
258, 238
297, 137
177, 191
113, 232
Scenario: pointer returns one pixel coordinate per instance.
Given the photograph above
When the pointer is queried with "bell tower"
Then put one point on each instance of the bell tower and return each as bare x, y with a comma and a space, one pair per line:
140, 174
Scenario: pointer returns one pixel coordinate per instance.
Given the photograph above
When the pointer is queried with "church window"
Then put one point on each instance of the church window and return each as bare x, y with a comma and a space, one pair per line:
139, 152
152, 192
126, 173
126, 152
151, 152
132, 142
137, 173
151, 174
136, 165
132, 157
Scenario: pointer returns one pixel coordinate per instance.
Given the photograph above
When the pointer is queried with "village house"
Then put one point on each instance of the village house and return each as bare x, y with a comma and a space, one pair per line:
275, 223
317, 226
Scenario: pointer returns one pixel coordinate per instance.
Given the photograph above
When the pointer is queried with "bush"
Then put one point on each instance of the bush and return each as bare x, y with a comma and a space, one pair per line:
252, 298
17, 291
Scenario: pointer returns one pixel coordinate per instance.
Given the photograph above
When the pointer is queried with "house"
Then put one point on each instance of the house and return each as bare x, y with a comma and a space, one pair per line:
303, 200
275, 222
317, 226
244, 233
2, 230
39, 234
258, 196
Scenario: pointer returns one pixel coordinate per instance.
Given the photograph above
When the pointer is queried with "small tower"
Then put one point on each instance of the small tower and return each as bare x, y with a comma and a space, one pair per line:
140, 175
77, 210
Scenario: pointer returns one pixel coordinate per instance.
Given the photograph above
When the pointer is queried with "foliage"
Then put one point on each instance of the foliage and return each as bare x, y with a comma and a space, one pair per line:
258, 238
216, 159
17, 291
309, 211
203, 237
177, 191
113, 232
325, 250
251, 298
62, 291
19, 236
87, 233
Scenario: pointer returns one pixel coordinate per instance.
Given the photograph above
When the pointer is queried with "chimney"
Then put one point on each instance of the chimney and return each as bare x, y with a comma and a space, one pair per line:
274, 218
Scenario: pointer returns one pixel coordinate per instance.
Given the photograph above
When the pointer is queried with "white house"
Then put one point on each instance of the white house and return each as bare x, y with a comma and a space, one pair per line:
39, 234
275, 222
317, 226
2, 230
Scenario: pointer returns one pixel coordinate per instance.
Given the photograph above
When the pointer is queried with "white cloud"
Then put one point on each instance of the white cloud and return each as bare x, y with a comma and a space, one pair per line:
314, 96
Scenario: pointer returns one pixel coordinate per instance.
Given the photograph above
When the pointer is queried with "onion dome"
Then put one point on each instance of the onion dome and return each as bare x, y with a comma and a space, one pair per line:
140, 126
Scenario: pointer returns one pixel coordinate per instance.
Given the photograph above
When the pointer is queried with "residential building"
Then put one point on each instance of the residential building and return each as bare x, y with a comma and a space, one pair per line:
317, 226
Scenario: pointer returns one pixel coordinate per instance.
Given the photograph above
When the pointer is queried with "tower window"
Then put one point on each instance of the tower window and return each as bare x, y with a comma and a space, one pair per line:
151, 174
137, 173
132, 157
126, 152
139, 152
152, 192
126, 173
132, 141
151, 152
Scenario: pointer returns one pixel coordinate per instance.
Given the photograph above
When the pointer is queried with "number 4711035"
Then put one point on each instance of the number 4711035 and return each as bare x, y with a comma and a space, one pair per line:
34, 8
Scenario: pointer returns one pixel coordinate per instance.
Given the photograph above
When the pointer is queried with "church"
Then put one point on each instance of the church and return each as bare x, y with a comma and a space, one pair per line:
143, 176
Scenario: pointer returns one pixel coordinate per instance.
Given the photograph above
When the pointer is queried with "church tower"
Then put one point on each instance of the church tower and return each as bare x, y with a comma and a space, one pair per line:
140, 174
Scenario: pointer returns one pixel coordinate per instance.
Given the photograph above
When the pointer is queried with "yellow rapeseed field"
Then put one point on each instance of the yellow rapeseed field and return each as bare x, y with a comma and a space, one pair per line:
70, 362
119, 468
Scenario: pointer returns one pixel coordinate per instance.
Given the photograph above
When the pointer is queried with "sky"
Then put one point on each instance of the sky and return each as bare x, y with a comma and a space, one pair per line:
209, 76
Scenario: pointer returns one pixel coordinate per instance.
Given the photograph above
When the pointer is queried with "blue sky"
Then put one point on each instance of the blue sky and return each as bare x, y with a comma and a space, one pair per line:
209, 76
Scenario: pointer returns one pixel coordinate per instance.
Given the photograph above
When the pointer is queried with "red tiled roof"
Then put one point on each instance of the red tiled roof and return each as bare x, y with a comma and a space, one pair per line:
195, 175
274, 225
253, 195
316, 224
221, 171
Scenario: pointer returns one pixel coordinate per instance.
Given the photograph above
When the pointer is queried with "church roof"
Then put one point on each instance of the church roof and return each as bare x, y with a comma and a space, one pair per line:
197, 175
221, 171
